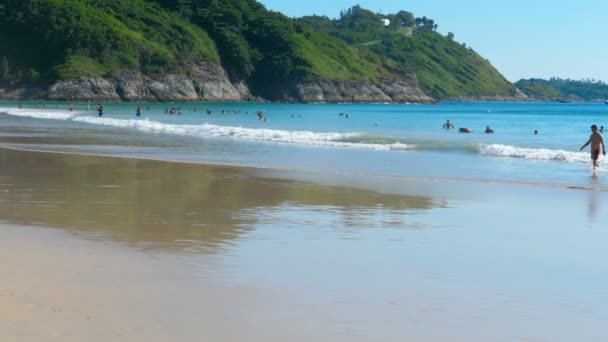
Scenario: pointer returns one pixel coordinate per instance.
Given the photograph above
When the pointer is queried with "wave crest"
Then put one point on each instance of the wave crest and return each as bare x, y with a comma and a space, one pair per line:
325, 139
499, 150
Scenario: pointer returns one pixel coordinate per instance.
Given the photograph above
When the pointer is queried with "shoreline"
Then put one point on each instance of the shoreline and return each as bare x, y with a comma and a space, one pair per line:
428, 179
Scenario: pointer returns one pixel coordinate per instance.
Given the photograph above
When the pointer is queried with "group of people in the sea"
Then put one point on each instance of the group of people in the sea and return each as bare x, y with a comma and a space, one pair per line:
449, 125
262, 116
596, 140
173, 111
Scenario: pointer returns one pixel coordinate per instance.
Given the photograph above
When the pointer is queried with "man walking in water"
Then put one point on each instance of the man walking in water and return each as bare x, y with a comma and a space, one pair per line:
596, 140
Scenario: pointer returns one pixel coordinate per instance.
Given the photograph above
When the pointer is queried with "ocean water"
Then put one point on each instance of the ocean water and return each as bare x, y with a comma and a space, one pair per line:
376, 140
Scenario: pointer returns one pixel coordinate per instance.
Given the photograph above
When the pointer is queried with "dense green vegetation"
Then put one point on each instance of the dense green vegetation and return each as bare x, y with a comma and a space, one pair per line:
555, 88
444, 67
61, 39
48, 40
271, 50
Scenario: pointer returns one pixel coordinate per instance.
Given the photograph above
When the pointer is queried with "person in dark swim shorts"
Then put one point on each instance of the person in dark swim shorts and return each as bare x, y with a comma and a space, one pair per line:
596, 140
99, 110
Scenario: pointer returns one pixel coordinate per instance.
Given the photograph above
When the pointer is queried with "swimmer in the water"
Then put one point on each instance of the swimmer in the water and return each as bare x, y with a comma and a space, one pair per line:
448, 125
489, 130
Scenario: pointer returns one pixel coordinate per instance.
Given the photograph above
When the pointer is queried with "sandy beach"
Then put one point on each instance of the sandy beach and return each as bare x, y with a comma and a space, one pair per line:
285, 171
112, 249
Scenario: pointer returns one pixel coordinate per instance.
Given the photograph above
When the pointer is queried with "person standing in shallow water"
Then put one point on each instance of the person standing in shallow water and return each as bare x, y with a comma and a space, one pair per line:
138, 111
99, 110
596, 140
448, 125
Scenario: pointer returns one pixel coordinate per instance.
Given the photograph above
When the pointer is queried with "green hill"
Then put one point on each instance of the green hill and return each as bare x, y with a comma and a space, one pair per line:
564, 89
45, 41
49, 40
444, 67
270, 50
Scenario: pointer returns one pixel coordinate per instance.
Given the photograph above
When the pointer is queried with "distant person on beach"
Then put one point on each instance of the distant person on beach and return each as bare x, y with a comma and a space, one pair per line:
99, 110
71, 107
448, 125
596, 140
489, 130
602, 129
138, 111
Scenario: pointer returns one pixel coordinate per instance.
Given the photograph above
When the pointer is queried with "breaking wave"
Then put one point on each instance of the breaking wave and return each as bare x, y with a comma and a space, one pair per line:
327, 139
509, 151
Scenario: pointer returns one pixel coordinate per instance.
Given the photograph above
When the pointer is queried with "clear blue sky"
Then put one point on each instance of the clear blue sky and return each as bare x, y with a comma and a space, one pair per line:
522, 38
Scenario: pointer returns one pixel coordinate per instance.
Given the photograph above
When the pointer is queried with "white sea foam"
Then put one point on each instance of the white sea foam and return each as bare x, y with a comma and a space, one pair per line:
499, 150
328, 139
47, 114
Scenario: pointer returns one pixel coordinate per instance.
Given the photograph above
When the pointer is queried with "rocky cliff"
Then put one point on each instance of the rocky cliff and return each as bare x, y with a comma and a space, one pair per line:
209, 82
515, 95
205, 82
400, 89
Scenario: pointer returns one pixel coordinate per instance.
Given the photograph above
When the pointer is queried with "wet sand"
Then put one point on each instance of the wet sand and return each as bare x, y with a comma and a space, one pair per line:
109, 249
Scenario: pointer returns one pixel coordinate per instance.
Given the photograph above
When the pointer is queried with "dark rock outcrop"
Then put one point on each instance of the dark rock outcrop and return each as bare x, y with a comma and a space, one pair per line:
205, 82
515, 95
20, 93
210, 82
390, 89
96, 88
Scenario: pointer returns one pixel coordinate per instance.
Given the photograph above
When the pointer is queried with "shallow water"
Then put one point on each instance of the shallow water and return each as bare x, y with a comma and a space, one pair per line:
390, 140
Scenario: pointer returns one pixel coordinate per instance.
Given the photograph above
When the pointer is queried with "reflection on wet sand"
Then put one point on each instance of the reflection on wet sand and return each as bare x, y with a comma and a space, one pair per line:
165, 205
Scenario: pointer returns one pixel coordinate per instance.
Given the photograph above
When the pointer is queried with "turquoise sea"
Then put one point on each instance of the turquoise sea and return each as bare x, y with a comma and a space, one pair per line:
380, 140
